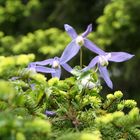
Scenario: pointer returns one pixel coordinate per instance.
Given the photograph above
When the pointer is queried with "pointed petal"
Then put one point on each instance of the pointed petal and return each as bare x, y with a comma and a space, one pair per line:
67, 67
70, 30
92, 63
105, 76
44, 69
91, 46
57, 73
50, 113
70, 51
88, 30
14, 78
120, 56
32, 65
45, 62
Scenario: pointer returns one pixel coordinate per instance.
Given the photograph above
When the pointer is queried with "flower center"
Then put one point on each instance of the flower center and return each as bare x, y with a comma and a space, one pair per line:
80, 40
55, 64
103, 60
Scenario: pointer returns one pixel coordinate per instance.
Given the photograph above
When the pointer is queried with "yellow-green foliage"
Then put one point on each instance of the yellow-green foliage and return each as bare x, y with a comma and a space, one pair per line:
15, 10
38, 77
78, 111
39, 126
6, 43
114, 19
11, 64
6, 91
95, 135
49, 42
43, 43
25, 100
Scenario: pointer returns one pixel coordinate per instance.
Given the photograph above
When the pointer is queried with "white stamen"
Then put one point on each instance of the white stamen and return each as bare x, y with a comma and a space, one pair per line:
80, 40
103, 59
55, 64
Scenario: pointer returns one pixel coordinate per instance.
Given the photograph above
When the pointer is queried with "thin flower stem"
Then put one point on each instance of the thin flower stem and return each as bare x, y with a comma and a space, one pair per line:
81, 57
96, 69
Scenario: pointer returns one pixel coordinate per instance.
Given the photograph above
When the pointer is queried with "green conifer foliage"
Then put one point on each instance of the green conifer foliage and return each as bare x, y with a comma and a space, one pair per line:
80, 112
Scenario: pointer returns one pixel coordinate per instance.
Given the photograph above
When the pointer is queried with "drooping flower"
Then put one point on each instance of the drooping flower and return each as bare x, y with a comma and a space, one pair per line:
103, 60
77, 41
55, 64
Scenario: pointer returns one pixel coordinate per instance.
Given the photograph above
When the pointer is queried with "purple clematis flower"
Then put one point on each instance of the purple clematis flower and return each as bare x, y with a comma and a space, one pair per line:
102, 62
77, 41
55, 63
50, 113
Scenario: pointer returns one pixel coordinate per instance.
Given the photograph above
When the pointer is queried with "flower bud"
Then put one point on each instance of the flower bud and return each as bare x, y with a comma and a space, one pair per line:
117, 114
118, 94
134, 113
53, 81
110, 97
130, 103
120, 106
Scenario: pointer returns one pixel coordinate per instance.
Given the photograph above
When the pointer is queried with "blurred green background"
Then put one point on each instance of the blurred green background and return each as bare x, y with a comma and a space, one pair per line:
36, 26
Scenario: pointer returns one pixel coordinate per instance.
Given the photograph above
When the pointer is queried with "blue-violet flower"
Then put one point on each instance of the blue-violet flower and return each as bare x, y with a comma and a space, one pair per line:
77, 41
102, 62
50, 113
55, 63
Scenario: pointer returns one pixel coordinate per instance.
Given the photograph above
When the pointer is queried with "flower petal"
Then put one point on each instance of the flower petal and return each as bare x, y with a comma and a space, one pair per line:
44, 69
88, 30
45, 62
120, 56
50, 113
91, 46
70, 51
57, 73
70, 30
67, 67
32, 65
92, 63
105, 76
14, 78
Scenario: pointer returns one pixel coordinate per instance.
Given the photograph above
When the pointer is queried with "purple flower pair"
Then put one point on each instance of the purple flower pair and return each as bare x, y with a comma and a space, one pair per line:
73, 48
101, 60
70, 51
